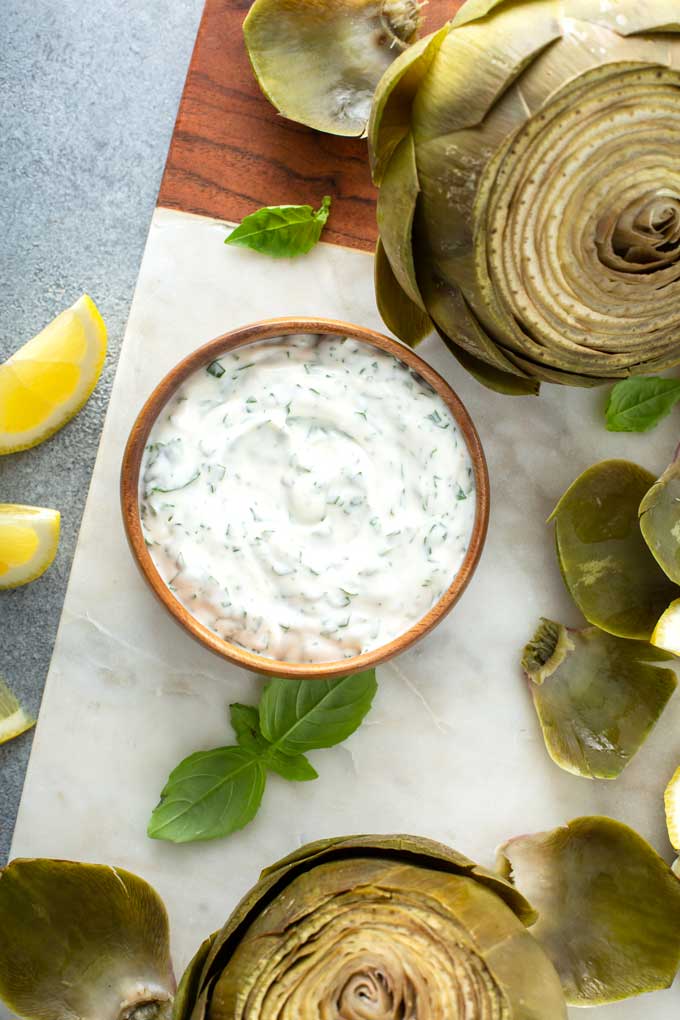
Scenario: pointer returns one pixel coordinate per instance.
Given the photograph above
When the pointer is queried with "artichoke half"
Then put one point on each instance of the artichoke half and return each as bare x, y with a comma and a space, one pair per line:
380, 927
528, 159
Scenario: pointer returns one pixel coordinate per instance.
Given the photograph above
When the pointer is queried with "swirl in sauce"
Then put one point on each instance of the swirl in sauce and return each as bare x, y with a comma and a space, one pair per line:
308, 498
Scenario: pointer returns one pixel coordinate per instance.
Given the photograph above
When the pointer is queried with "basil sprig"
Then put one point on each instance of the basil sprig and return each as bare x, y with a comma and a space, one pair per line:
638, 404
213, 793
283, 231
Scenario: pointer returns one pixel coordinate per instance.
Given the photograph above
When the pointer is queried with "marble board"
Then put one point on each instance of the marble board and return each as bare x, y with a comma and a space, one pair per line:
451, 749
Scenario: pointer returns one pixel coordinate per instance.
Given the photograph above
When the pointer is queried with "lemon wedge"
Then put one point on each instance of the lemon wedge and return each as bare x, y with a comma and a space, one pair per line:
672, 803
47, 381
667, 631
13, 719
29, 536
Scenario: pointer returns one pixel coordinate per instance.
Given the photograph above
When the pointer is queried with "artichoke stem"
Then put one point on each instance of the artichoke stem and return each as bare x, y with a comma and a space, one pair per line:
401, 19
546, 651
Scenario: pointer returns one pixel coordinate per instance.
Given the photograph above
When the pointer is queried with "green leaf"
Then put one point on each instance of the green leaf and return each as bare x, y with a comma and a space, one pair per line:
294, 767
283, 231
209, 794
637, 405
301, 715
214, 793
246, 722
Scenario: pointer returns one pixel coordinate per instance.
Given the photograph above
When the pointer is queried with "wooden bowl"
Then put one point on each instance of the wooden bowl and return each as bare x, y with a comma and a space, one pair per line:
130, 472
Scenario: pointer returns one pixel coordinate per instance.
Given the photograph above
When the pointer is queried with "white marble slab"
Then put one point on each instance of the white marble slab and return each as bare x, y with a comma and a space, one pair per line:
451, 749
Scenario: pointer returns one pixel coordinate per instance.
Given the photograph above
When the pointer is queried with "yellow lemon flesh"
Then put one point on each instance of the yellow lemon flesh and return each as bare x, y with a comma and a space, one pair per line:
672, 803
667, 631
47, 381
13, 719
29, 537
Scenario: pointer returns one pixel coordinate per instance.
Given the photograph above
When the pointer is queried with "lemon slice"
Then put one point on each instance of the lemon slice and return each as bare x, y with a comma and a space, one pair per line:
672, 802
667, 631
29, 536
47, 381
13, 719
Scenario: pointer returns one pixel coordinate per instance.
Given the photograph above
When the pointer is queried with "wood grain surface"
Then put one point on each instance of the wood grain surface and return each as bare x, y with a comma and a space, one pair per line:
232, 153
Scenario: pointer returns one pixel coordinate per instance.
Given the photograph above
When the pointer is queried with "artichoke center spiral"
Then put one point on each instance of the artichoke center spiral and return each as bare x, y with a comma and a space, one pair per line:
647, 234
368, 995
583, 224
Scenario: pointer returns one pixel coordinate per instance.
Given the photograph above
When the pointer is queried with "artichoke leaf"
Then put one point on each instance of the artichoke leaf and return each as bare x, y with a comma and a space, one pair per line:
397, 202
488, 375
606, 565
660, 521
628, 17
390, 119
82, 940
474, 10
609, 908
499, 51
597, 696
318, 62
416, 849
566, 64
457, 325
401, 316
189, 988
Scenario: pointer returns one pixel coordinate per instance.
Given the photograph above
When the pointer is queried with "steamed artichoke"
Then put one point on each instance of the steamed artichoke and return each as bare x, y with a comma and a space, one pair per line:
379, 927
528, 158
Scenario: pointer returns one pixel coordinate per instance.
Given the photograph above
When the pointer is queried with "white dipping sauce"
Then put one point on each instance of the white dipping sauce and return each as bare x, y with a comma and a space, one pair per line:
308, 498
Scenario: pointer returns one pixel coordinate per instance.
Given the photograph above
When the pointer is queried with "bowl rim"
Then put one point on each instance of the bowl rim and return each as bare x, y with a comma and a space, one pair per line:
268, 329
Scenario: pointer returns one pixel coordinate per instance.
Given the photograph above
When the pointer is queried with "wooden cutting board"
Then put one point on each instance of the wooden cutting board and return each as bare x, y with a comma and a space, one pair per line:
232, 153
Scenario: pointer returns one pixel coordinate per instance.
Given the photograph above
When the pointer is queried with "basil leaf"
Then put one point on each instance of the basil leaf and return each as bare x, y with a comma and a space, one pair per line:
246, 722
300, 715
294, 767
638, 404
283, 231
209, 794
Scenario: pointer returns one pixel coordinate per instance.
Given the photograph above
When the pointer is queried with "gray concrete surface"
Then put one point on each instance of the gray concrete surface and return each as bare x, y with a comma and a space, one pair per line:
88, 95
